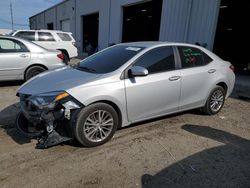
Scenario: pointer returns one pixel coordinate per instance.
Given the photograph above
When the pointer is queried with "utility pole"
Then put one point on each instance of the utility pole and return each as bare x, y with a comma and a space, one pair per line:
11, 13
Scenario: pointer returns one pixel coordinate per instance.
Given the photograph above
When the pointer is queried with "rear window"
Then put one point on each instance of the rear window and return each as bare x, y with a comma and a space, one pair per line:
45, 36
108, 60
64, 36
28, 35
12, 46
193, 57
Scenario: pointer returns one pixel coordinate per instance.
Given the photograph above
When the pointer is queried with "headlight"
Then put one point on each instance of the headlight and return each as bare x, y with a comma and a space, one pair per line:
48, 99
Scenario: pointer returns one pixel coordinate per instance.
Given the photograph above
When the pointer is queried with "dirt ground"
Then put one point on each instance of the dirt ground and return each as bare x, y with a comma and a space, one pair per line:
183, 150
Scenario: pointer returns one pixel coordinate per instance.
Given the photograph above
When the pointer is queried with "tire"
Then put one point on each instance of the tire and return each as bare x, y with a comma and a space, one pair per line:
22, 125
33, 71
91, 135
212, 107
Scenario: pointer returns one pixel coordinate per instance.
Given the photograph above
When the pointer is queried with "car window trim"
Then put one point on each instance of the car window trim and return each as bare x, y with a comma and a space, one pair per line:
124, 74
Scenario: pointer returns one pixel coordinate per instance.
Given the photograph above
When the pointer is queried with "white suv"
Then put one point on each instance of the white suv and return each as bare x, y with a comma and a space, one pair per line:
51, 39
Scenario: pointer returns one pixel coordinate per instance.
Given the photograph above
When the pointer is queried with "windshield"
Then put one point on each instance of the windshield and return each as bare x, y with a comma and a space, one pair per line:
108, 60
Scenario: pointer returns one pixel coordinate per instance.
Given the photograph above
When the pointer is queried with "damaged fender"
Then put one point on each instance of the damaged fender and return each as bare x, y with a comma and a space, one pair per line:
47, 119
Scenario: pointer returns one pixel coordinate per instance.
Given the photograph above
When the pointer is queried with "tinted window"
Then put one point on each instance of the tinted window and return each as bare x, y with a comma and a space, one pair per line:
45, 36
192, 57
64, 36
11, 46
157, 60
28, 35
206, 58
108, 60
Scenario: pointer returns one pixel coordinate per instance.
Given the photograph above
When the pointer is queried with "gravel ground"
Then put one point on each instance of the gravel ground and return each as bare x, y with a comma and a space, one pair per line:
182, 150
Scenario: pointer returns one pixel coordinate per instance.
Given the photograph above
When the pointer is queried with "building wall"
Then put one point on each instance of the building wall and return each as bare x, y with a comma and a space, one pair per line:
50, 17
116, 18
38, 21
174, 18
66, 11
89, 7
56, 14
182, 20
203, 22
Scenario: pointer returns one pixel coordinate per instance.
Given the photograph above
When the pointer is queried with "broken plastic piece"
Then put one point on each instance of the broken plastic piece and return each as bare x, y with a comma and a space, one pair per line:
51, 139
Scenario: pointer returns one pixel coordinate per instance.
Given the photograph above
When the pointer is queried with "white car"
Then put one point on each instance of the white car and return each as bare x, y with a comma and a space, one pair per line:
120, 85
51, 39
21, 59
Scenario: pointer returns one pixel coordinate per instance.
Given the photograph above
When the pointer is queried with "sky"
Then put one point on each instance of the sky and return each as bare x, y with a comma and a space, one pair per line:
22, 10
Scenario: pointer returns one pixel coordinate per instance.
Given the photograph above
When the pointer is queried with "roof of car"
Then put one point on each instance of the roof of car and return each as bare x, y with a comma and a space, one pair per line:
148, 44
42, 30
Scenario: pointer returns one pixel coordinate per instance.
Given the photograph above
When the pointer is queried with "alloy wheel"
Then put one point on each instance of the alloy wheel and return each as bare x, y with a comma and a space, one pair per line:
98, 126
217, 100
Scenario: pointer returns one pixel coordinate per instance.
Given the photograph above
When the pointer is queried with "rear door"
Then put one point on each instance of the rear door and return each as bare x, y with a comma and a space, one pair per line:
196, 73
157, 93
14, 57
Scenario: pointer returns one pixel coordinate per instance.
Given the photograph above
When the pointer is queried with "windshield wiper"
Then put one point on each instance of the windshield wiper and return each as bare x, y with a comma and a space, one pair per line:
87, 69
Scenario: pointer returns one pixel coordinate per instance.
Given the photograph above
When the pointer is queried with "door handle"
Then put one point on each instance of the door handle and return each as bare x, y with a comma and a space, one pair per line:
174, 78
212, 71
23, 55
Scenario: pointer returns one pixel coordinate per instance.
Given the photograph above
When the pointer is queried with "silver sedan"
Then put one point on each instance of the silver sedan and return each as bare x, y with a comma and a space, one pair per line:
120, 85
21, 59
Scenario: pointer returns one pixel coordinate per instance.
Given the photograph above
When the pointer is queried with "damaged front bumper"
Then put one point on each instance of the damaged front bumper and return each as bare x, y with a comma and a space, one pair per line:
48, 117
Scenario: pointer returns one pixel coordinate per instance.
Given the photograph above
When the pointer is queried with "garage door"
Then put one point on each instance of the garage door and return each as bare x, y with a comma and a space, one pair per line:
65, 25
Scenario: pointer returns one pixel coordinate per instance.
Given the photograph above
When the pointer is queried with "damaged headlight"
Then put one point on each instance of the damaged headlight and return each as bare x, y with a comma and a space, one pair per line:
48, 100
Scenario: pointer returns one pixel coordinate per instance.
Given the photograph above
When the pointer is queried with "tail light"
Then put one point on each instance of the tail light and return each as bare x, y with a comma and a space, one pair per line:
61, 56
232, 68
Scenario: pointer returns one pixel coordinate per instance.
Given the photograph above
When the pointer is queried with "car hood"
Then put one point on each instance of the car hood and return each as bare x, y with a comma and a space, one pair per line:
60, 79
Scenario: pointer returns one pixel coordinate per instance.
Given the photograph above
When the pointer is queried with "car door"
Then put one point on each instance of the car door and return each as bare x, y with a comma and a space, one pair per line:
157, 93
14, 57
196, 73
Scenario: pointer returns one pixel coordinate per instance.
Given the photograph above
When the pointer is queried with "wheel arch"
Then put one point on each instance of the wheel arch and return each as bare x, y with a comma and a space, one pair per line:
113, 105
33, 65
65, 52
223, 85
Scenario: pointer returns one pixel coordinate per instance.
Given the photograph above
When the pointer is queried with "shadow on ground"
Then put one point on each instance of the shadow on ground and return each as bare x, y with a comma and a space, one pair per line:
222, 166
7, 122
10, 83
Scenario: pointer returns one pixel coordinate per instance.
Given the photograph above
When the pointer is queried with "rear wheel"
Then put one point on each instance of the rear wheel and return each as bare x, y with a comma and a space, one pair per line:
33, 71
215, 101
96, 124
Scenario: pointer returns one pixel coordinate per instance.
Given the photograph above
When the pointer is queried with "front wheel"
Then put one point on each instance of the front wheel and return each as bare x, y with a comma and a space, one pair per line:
215, 101
96, 124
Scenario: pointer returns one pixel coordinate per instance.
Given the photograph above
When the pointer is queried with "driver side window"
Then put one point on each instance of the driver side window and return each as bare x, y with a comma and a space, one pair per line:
157, 60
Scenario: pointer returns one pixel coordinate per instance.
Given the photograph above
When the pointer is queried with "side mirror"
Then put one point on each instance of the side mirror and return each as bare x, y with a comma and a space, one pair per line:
138, 71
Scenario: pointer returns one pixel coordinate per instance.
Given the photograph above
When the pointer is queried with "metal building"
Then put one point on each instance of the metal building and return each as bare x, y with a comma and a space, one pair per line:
105, 22
180, 20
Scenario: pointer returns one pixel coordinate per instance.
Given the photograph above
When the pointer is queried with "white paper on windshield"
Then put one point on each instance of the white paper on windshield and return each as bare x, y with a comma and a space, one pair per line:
133, 49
